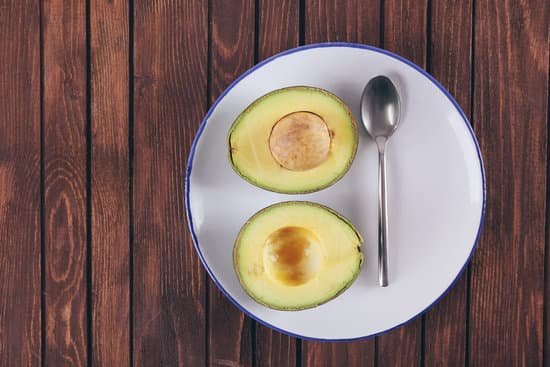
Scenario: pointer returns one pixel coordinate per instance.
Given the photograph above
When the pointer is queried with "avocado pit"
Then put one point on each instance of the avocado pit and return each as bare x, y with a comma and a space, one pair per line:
300, 141
292, 255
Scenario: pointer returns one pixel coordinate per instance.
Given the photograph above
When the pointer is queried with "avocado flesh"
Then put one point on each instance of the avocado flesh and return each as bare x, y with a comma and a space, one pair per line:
250, 137
297, 255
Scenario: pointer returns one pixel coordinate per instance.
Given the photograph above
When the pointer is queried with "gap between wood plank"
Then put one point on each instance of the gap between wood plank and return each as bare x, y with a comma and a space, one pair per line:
301, 42
207, 106
472, 106
382, 24
88, 264
302, 23
547, 232
429, 70
254, 324
42, 198
131, 175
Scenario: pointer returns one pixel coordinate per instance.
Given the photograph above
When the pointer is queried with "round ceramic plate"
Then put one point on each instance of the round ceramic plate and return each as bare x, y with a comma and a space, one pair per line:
436, 191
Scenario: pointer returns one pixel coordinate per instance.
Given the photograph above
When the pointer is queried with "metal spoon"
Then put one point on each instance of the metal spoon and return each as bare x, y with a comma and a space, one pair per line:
380, 109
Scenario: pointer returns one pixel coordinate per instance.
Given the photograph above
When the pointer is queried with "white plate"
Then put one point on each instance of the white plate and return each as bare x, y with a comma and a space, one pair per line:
436, 191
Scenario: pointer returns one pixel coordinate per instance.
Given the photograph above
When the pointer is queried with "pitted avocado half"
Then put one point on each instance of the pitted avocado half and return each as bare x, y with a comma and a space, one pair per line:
296, 255
294, 140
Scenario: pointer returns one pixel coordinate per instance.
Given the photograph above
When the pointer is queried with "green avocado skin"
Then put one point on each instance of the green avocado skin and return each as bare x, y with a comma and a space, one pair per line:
305, 306
293, 192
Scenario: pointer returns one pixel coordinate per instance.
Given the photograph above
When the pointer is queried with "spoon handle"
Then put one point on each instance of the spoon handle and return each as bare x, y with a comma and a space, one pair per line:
382, 218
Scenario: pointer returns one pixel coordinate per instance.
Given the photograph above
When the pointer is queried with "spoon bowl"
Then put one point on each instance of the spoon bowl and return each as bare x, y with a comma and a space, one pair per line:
380, 107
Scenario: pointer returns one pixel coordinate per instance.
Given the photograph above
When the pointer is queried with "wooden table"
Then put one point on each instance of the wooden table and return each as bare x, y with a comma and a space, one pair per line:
99, 103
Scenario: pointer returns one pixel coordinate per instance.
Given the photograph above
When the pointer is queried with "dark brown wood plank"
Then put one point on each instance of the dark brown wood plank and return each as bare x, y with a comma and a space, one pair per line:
510, 106
274, 349
232, 53
405, 26
278, 30
321, 354
20, 303
405, 29
279, 26
109, 174
170, 53
350, 21
342, 20
64, 113
450, 62
401, 347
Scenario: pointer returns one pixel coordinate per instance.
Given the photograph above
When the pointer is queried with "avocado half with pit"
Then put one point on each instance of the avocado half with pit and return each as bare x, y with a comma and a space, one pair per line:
294, 140
296, 255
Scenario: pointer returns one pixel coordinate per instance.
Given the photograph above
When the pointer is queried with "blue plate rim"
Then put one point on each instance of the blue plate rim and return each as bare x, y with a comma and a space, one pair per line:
267, 61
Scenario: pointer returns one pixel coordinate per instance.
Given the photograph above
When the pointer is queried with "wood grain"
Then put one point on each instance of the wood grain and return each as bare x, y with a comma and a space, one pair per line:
279, 26
350, 21
405, 27
109, 182
323, 354
450, 62
170, 53
274, 349
510, 107
342, 20
64, 114
232, 53
170, 326
20, 303
278, 31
